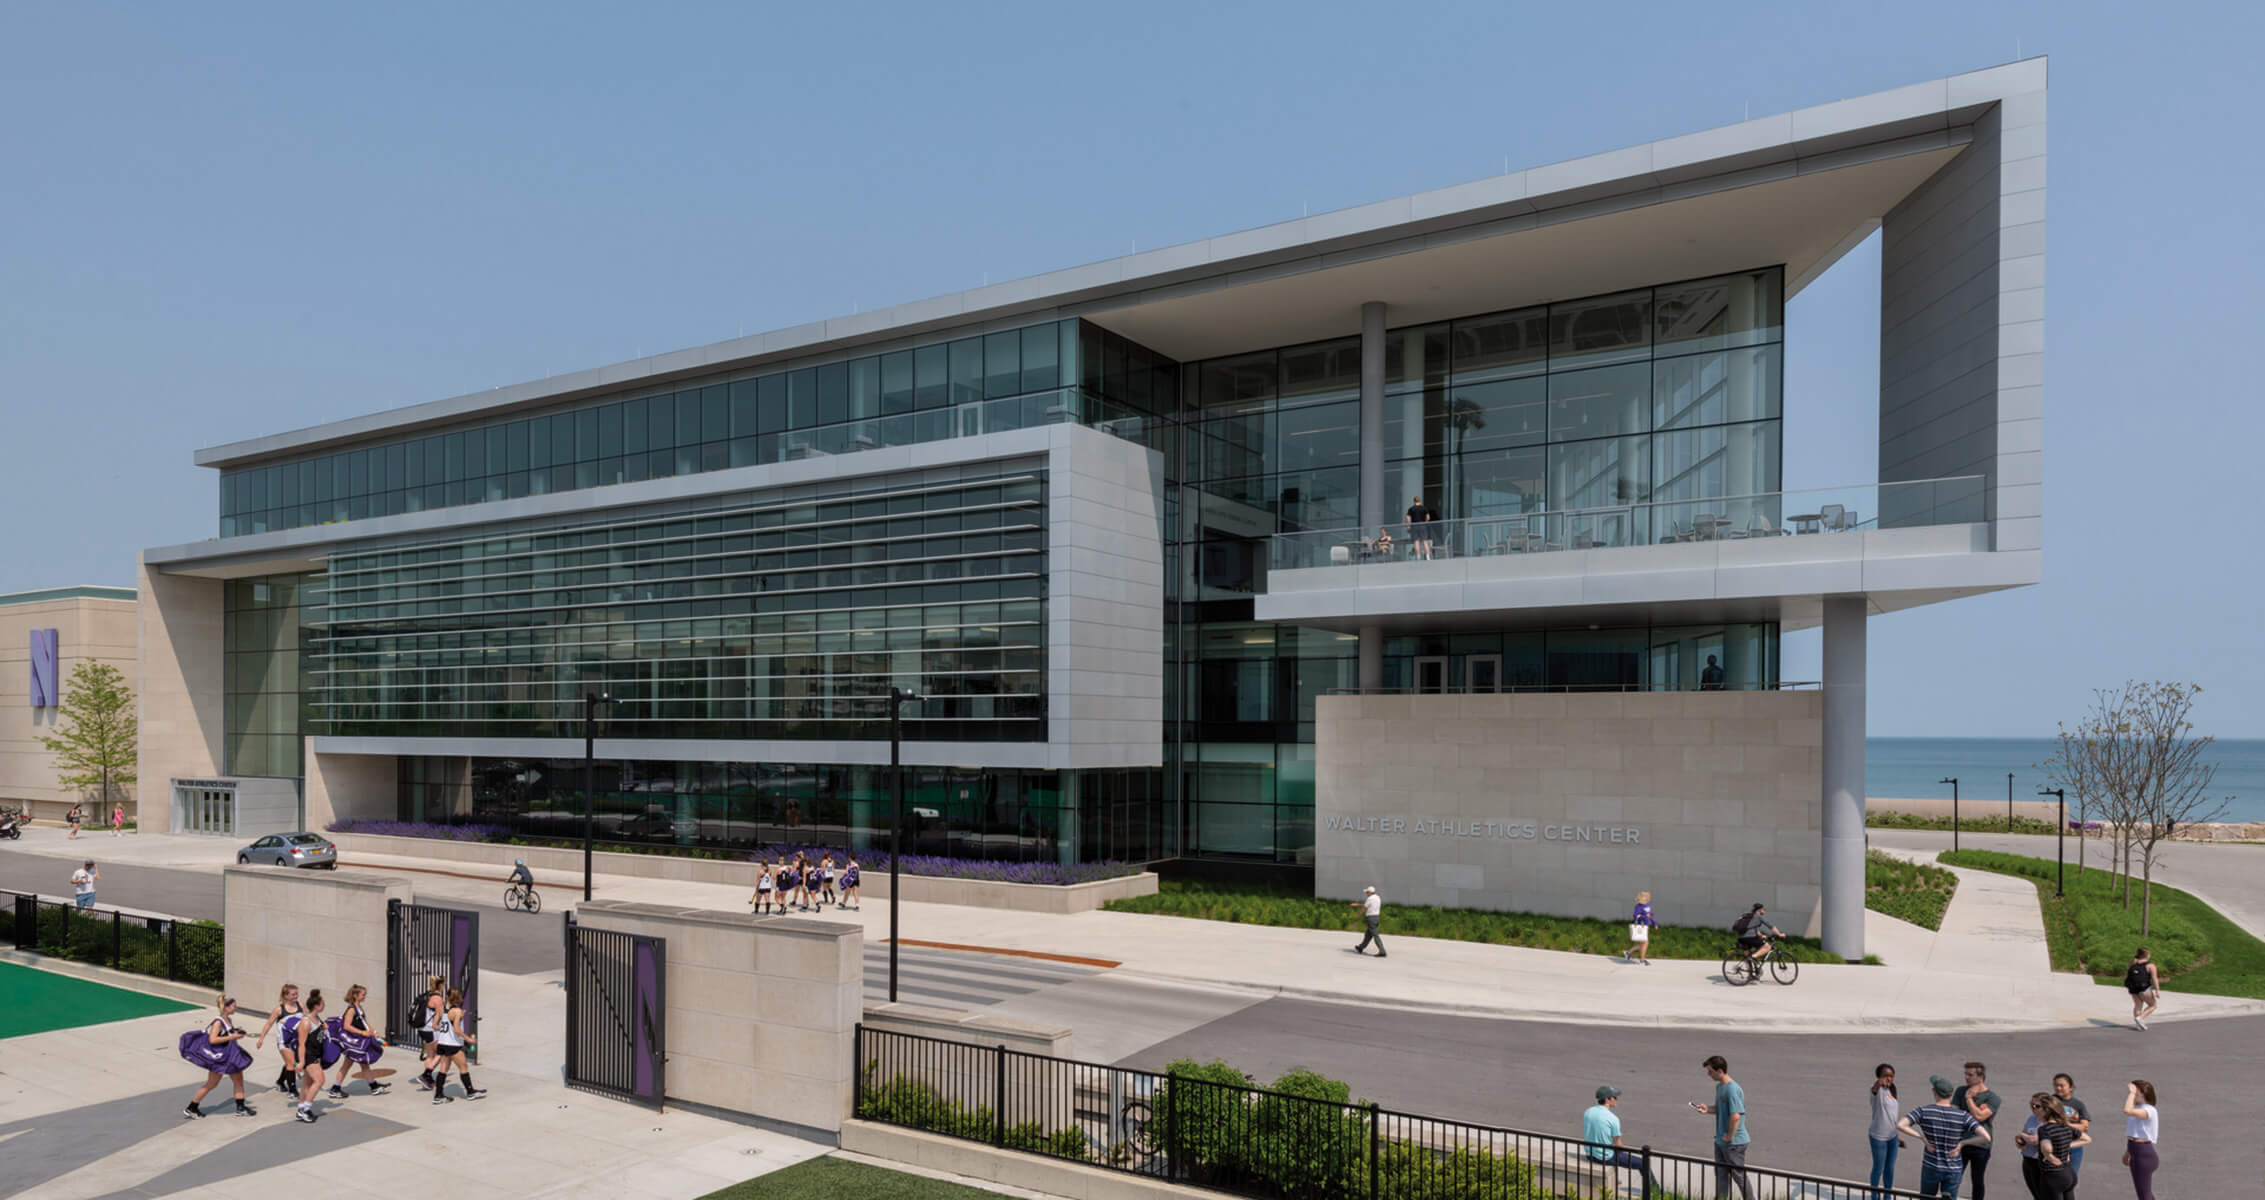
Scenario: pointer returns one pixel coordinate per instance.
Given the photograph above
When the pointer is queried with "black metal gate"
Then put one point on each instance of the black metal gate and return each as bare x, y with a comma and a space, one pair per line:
422, 941
616, 1027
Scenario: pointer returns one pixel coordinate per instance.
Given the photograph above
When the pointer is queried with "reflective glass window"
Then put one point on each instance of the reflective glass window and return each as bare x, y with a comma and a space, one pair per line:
967, 371
1415, 358
1715, 314
1485, 416
609, 432
1599, 473
833, 393
660, 422
1041, 358
1600, 402
634, 427
864, 388
1502, 345
1002, 364
688, 413
1317, 436
1715, 389
802, 398
715, 413
1322, 371
896, 382
1607, 329
771, 411
931, 376
1241, 383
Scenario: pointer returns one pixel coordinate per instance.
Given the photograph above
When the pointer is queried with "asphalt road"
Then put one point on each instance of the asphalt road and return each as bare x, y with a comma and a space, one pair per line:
1806, 1094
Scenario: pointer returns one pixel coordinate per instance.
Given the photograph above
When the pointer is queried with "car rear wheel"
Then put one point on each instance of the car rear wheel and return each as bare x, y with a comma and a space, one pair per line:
243, 860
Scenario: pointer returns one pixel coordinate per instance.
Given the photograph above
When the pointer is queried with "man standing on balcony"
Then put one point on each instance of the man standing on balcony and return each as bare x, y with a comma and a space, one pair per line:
1422, 519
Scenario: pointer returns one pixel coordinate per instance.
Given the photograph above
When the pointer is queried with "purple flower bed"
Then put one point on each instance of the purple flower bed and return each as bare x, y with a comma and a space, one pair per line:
876, 862
421, 829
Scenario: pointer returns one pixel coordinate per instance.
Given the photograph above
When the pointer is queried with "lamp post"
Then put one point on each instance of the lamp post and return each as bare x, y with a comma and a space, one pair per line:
897, 698
590, 703
2009, 802
1953, 782
2060, 841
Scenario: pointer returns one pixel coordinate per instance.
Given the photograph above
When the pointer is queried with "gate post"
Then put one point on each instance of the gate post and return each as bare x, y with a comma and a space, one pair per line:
117, 936
573, 1024
173, 951
394, 1030
999, 1097
857, 1068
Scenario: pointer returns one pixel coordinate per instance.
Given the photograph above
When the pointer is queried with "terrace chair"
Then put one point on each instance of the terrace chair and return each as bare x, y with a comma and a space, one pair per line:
1583, 541
1702, 527
1833, 517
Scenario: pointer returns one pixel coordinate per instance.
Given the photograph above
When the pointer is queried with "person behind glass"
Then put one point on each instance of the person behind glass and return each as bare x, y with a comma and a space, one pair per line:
2079, 1116
1977, 1099
1383, 543
2047, 1140
1641, 922
1887, 1109
215, 1048
1422, 528
286, 1004
1600, 1129
1710, 676
2145, 983
2142, 1125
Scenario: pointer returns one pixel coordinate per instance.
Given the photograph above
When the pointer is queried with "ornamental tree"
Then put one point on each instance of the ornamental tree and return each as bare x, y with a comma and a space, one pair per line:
96, 731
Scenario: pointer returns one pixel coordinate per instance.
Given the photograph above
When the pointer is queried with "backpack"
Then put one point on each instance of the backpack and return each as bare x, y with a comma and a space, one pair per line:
1742, 924
419, 1005
2135, 978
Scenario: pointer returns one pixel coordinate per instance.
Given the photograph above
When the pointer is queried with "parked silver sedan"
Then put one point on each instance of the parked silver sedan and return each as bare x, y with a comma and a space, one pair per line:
290, 850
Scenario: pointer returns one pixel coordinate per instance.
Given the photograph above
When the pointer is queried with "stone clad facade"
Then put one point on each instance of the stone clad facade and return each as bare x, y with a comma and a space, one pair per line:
1571, 803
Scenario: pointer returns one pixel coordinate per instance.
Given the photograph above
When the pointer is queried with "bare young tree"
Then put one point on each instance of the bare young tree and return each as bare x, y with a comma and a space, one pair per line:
2136, 751
2070, 769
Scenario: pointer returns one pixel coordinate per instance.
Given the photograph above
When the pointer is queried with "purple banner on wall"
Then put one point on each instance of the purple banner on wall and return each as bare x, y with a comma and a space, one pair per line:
46, 656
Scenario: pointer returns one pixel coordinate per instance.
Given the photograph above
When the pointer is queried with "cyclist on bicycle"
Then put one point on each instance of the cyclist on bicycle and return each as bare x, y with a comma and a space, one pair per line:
1754, 932
521, 877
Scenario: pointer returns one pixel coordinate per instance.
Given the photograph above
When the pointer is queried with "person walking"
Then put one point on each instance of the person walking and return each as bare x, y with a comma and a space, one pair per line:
2079, 1117
74, 817
1887, 1109
850, 881
1977, 1099
307, 1032
118, 820
1600, 1128
2142, 1125
826, 883
1731, 1132
451, 1033
215, 1048
426, 1007
82, 884
1641, 922
1372, 913
286, 1005
2145, 983
1943, 1130
359, 1046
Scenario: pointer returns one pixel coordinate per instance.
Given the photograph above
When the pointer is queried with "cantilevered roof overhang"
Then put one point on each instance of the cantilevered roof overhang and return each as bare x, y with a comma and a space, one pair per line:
1800, 188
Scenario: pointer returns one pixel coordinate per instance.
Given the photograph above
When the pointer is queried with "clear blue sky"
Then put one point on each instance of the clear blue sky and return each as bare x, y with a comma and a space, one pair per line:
227, 220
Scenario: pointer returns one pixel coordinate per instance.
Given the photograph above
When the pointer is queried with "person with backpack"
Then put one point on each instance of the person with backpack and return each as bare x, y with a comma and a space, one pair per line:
423, 1006
451, 1033
216, 1048
2145, 984
1754, 931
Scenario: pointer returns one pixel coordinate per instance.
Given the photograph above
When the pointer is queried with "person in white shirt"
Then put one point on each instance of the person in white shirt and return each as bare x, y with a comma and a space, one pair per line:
82, 883
1372, 910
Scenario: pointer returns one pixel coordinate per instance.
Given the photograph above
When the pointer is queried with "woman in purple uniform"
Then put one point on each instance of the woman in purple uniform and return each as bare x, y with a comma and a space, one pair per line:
214, 1048
849, 884
358, 1045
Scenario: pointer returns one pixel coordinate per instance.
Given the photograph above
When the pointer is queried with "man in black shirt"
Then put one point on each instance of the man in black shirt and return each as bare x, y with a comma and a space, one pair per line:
1421, 519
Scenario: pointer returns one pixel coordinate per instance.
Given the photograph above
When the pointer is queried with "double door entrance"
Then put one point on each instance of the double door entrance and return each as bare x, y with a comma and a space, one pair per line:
204, 806
1481, 673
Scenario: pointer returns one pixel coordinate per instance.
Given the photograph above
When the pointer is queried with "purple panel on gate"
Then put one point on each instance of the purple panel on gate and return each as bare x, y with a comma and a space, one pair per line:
46, 656
460, 965
648, 991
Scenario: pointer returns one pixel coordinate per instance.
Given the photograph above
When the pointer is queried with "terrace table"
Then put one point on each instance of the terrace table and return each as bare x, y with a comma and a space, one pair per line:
1806, 522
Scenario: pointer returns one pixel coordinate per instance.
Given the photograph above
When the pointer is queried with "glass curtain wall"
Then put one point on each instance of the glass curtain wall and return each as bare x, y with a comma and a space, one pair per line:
745, 617
1006, 815
1729, 657
262, 728
1043, 374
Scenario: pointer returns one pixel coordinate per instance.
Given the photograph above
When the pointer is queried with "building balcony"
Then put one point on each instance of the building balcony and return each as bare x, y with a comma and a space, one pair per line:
1771, 556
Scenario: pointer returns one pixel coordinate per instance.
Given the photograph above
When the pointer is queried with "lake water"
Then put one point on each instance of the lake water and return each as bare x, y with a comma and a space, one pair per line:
1913, 767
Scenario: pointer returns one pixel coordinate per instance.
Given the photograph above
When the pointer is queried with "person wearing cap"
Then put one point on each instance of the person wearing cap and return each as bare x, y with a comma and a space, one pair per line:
1943, 1129
1600, 1128
1372, 910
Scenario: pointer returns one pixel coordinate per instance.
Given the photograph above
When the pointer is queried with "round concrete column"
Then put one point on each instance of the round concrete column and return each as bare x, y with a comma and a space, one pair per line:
1841, 869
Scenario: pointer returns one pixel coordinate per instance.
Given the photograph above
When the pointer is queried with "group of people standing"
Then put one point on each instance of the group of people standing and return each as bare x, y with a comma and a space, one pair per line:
313, 1044
1956, 1135
804, 885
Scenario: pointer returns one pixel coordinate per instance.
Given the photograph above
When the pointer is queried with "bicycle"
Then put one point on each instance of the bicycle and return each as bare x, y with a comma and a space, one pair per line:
520, 896
1738, 970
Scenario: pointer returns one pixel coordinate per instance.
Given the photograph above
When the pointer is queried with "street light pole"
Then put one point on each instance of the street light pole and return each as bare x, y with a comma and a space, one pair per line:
897, 698
2009, 802
1953, 782
2060, 842
590, 703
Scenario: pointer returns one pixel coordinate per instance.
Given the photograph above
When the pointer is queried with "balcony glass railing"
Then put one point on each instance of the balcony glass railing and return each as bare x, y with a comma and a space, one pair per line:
1813, 512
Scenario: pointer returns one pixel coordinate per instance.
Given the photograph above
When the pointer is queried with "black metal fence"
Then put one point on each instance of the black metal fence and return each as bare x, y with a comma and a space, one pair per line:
1311, 1143
617, 1013
182, 951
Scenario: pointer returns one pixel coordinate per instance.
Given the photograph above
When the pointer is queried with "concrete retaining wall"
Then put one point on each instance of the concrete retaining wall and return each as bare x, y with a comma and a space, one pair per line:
315, 929
1036, 1091
761, 1012
920, 889
1012, 1168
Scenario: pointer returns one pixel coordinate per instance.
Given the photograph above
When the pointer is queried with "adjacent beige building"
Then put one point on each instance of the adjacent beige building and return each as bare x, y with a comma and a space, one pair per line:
91, 624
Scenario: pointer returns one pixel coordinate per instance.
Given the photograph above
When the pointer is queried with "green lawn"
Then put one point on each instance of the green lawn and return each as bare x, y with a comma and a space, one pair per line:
36, 1001
1906, 890
1978, 822
2091, 932
833, 1178
1259, 904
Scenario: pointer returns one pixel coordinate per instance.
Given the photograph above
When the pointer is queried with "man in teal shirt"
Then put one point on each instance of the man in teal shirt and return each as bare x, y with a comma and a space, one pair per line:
1730, 1131
1600, 1128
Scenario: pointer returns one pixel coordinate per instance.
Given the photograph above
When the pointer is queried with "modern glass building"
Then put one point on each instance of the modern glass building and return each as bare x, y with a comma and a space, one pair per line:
1123, 527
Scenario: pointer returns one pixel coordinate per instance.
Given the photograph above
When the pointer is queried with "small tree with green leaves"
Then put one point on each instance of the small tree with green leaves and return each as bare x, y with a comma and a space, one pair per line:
96, 732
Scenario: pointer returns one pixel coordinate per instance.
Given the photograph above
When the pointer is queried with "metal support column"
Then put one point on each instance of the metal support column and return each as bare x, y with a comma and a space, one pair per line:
1842, 864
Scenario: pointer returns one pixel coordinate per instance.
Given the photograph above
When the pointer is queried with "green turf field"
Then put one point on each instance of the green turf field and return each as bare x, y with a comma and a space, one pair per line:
839, 1179
35, 1001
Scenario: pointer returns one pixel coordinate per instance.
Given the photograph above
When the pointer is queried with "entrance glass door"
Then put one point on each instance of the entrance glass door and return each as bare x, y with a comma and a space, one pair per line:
1483, 672
205, 810
1431, 673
